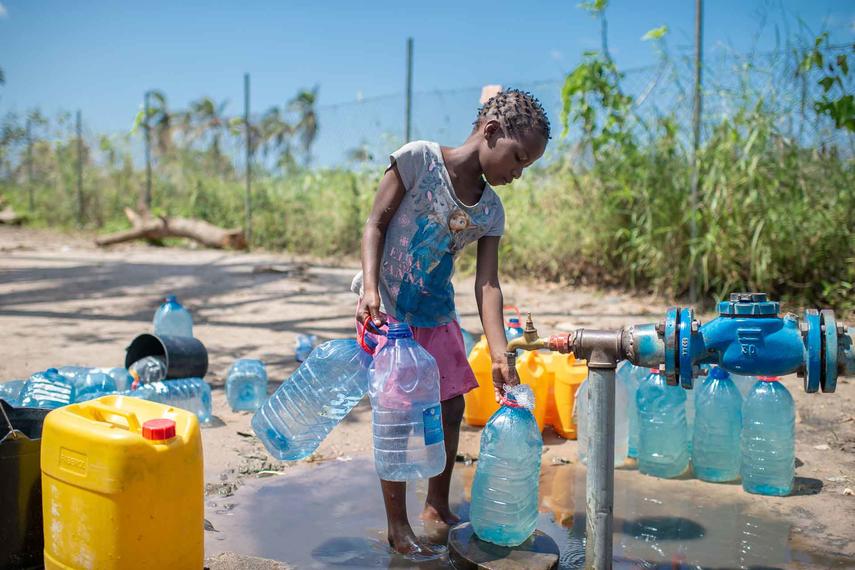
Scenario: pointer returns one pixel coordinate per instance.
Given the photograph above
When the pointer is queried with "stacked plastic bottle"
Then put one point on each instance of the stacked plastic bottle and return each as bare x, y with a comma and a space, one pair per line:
505, 490
172, 319
246, 385
146, 370
583, 428
718, 425
94, 384
406, 413
744, 384
663, 449
10, 391
768, 439
305, 408
48, 390
631, 376
191, 394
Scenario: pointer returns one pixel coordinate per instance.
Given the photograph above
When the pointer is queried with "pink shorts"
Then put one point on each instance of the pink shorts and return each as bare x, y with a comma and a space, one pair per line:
445, 344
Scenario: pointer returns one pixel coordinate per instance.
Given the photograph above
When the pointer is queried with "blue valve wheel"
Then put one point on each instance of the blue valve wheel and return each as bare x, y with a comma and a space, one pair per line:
813, 351
828, 380
671, 318
685, 347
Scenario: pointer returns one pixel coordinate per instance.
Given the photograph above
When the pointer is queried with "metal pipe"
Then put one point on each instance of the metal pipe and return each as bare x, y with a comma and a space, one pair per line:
79, 170
248, 193
599, 487
146, 198
696, 142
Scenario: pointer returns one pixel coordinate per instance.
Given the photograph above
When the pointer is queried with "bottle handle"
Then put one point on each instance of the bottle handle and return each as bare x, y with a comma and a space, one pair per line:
103, 414
514, 309
368, 322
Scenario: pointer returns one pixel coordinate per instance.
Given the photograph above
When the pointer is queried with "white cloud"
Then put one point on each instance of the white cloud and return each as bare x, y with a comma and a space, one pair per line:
3, 11
556, 55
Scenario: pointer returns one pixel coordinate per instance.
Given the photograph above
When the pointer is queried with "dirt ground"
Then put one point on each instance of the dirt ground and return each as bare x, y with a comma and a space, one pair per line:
64, 301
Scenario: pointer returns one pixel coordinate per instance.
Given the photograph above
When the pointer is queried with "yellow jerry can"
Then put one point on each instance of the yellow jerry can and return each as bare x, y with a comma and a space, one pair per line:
568, 374
533, 370
481, 401
122, 486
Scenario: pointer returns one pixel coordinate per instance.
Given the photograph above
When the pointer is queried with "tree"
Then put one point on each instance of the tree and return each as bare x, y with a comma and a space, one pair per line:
303, 104
206, 118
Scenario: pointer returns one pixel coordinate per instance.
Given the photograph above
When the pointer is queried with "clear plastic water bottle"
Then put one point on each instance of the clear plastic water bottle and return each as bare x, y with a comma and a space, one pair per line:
690, 416
718, 425
663, 449
147, 370
582, 412
513, 328
10, 391
505, 490
407, 416
120, 376
74, 374
172, 319
631, 376
303, 346
48, 390
246, 385
94, 385
744, 384
305, 408
191, 394
768, 439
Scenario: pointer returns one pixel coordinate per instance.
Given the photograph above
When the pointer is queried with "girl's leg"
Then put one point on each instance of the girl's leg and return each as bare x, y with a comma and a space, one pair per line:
436, 502
400, 534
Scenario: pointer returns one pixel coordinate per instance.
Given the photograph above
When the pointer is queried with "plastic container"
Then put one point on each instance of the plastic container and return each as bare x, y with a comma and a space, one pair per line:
583, 427
10, 390
47, 390
147, 370
513, 328
718, 425
172, 319
94, 385
744, 384
191, 394
567, 374
533, 370
184, 356
663, 449
631, 376
122, 486
21, 535
481, 402
469, 340
303, 346
768, 439
407, 416
305, 408
246, 385
505, 489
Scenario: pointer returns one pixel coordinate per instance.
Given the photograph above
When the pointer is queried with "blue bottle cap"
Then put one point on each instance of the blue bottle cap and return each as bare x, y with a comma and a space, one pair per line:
399, 330
718, 373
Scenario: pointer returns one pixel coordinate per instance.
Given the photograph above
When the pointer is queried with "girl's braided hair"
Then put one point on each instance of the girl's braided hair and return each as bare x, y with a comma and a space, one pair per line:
517, 111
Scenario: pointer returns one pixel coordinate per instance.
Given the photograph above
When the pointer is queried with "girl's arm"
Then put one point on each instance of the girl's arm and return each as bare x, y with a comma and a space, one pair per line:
386, 203
488, 294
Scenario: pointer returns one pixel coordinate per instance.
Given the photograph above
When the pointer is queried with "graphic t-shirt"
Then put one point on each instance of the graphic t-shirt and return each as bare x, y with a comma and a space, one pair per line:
429, 229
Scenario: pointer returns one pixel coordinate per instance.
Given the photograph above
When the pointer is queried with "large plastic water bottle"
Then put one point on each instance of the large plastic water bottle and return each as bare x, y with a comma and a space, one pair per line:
246, 384
191, 394
172, 319
583, 428
303, 346
94, 385
407, 416
305, 408
768, 439
718, 425
744, 384
630, 376
663, 449
505, 490
148, 369
10, 391
48, 390
120, 376
513, 328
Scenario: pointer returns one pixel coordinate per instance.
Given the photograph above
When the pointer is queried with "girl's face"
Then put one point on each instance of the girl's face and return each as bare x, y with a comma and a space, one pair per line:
504, 158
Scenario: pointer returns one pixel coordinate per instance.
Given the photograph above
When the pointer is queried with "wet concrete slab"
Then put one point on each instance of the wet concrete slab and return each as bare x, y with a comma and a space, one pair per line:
331, 516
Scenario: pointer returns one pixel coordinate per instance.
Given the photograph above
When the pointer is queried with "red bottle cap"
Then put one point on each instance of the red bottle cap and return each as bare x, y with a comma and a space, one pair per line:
159, 429
769, 378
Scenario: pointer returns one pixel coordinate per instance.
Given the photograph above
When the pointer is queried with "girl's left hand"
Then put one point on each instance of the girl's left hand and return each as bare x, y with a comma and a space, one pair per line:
502, 376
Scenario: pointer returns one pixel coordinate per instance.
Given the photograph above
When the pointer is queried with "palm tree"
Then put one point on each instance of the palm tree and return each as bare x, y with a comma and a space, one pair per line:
160, 121
275, 136
207, 118
307, 123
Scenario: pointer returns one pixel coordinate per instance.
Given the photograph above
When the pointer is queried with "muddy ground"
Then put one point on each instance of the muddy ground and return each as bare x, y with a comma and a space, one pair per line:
65, 301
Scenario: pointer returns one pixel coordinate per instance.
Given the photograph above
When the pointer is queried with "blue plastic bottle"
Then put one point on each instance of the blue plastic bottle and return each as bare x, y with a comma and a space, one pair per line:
191, 394
744, 384
47, 390
469, 340
305, 408
148, 369
663, 449
514, 328
406, 413
120, 376
246, 385
94, 385
172, 319
580, 407
505, 489
631, 376
10, 391
768, 439
718, 425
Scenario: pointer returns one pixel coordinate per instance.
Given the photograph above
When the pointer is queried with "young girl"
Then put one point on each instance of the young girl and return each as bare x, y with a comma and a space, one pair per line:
432, 202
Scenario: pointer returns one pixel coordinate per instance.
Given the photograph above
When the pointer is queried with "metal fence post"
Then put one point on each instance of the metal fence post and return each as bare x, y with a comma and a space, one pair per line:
248, 197
79, 170
408, 117
146, 200
696, 142
30, 181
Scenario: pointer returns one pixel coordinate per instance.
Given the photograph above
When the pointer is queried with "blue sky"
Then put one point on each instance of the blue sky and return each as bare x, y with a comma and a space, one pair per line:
100, 56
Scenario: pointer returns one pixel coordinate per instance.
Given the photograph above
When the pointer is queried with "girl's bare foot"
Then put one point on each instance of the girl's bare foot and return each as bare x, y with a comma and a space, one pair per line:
410, 547
440, 514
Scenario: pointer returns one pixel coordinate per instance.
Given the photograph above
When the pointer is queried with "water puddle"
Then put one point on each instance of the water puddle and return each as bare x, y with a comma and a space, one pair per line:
331, 515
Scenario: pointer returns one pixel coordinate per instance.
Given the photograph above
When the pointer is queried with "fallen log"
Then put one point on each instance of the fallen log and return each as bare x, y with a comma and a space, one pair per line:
159, 227
8, 215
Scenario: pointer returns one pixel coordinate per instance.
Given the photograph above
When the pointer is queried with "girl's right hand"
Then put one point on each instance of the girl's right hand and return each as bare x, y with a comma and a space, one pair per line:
369, 305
